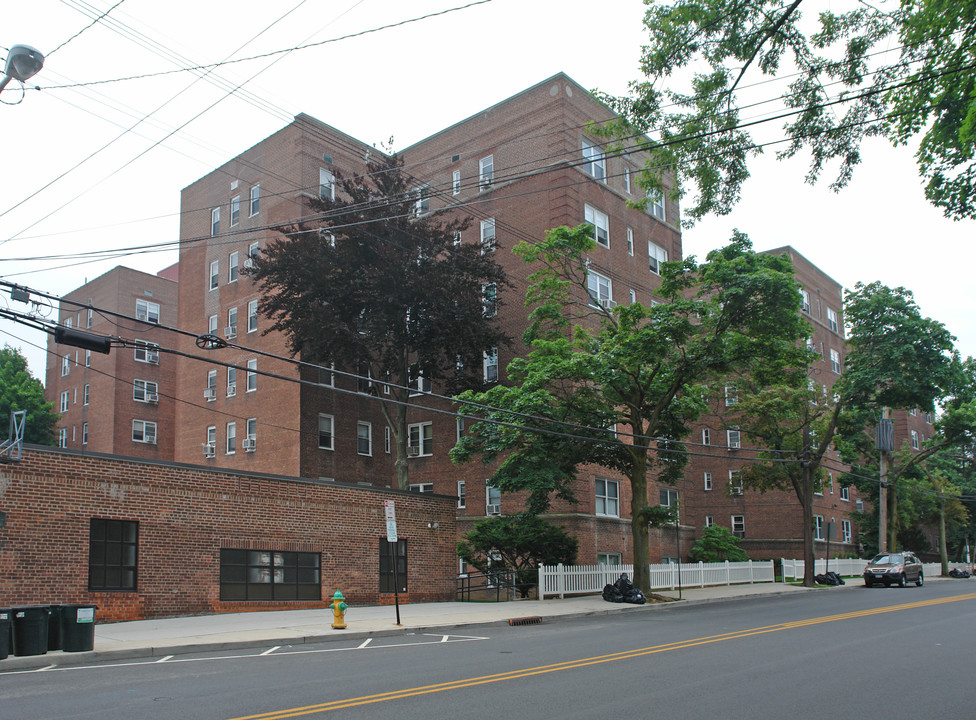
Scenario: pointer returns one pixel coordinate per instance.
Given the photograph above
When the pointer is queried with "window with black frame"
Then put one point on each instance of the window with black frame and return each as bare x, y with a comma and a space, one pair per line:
112, 555
386, 566
269, 575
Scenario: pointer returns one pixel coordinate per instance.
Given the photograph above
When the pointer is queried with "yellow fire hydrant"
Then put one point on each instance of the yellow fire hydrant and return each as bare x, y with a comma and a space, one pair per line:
339, 609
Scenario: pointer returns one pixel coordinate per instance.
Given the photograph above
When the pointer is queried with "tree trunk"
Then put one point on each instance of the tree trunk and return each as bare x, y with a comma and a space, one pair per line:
943, 551
806, 503
892, 518
400, 433
638, 526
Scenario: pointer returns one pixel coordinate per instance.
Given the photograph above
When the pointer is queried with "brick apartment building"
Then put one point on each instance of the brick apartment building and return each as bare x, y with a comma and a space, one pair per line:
121, 402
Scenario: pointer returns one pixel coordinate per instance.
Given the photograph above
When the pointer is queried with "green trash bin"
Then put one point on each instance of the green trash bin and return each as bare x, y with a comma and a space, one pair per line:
30, 629
54, 628
78, 627
4, 632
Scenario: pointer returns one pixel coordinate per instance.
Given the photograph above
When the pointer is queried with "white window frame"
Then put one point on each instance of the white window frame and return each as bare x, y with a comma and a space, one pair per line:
655, 204
147, 311
231, 382
421, 436
627, 180
914, 438
84, 433
231, 446
327, 372
489, 300
215, 222
233, 271
65, 366
609, 559
486, 172
738, 525
493, 499
600, 222
709, 520
212, 325
600, 289
65, 400
461, 491
85, 395
142, 389
594, 161
845, 493
655, 256
668, 497
818, 527
63, 437
456, 182
254, 200
707, 477
490, 365
330, 421
147, 431
605, 503
364, 437
235, 210
835, 361
731, 395
733, 439
326, 184
847, 535
252, 377
735, 482
488, 238
630, 241
214, 274
251, 430
832, 320
706, 436
252, 316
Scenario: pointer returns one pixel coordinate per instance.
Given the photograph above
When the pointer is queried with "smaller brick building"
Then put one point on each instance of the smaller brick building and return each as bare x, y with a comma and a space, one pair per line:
143, 539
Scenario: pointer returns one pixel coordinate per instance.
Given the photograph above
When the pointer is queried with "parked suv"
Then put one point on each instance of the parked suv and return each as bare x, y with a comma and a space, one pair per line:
898, 568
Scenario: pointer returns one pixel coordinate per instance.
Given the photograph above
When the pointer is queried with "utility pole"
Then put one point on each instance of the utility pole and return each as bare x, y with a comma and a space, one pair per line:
885, 443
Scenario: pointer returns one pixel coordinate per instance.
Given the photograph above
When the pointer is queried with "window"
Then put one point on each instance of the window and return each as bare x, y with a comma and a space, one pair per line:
364, 382
859, 505
456, 182
84, 433
627, 180
733, 439
600, 289
422, 204
387, 575
89, 322
269, 575
731, 395
326, 436
655, 256
709, 521
364, 438
145, 391
846, 530
845, 493
600, 223
209, 447
818, 527
253, 250
739, 526
252, 377
233, 270
144, 431
63, 438
419, 384
212, 324
250, 439
669, 498
326, 184
608, 558
210, 393
708, 481
214, 274
231, 438
835, 361
65, 365
491, 365
594, 162
231, 330
85, 398
64, 401
87, 358
231, 382
913, 412
607, 497
112, 555
804, 301
735, 482
493, 499
929, 418
252, 316
255, 200
421, 487
486, 172
630, 241
914, 440
386, 439
215, 222
655, 204
489, 299
420, 439
633, 297
235, 210
832, 319
487, 235
706, 436
325, 375
461, 494
148, 311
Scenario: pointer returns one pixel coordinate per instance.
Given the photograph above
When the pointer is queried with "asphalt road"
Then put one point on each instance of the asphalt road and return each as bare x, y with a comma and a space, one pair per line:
857, 652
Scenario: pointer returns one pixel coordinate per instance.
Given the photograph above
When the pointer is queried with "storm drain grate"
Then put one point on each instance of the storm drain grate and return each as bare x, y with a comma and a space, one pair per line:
534, 620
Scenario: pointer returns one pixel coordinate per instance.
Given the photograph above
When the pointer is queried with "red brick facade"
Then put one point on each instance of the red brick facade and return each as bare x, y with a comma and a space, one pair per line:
186, 515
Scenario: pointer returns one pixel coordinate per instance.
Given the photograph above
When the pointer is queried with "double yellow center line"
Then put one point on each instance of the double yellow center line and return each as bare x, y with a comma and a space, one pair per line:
583, 662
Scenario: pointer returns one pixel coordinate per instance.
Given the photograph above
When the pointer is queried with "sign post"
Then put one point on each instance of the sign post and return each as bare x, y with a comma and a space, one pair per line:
391, 538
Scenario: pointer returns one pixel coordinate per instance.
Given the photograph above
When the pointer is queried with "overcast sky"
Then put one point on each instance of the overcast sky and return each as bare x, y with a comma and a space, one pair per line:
101, 166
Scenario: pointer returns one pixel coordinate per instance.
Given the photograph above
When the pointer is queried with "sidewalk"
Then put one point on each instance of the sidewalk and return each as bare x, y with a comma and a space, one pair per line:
204, 633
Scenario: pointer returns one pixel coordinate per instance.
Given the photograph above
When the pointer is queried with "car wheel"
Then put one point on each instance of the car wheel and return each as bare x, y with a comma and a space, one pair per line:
921, 579
901, 580
868, 583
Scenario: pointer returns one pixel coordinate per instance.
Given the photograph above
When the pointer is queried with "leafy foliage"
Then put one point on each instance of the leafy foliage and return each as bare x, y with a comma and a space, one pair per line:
717, 544
19, 390
901, 72
371, 283
619, 387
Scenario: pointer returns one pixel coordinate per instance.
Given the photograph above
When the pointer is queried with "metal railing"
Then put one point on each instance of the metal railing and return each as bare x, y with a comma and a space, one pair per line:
497, 586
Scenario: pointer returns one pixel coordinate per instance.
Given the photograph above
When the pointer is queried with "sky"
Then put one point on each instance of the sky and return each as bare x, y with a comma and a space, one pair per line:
99, 166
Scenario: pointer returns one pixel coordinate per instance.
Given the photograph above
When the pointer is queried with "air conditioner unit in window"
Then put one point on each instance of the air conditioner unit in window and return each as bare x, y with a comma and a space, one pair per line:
413, 451
210, 394
739, 533
208, 450
606, 303
735, 490
152, 398
248, 263
495, 509
152, 357
231, 389
249, 444
230, 331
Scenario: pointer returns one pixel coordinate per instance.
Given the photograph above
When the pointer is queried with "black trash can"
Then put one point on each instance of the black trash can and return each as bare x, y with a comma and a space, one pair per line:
78, 627
54, 628
30, 629
4, 632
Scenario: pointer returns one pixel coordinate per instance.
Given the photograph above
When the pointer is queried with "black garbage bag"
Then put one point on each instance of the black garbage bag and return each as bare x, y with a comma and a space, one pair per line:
611, 594
628, 593
834, 578
957, 573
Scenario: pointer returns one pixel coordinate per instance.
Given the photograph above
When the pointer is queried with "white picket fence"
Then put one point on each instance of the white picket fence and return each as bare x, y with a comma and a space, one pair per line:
852, 567
561, 580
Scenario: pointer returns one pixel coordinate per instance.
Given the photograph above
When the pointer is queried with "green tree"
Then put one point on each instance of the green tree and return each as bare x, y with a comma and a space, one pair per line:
19, 390
717, 544
519, 542
900, 70
380, 282
619, 387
